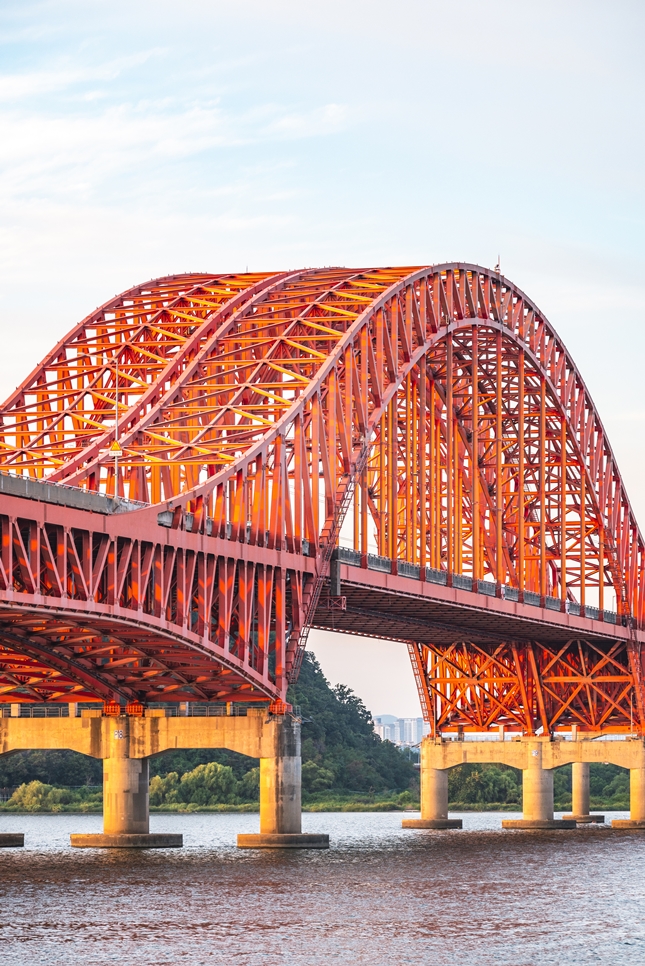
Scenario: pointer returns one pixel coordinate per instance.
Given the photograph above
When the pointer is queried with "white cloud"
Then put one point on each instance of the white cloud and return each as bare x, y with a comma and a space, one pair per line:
18, 86
74, 155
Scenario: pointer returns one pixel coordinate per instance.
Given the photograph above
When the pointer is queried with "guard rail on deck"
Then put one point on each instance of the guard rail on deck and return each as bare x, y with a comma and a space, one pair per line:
190, 709
35, 710
487, 587
62, 494
493, 735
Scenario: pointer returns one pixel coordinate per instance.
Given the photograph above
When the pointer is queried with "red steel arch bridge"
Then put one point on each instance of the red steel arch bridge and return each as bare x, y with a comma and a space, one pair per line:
209, 465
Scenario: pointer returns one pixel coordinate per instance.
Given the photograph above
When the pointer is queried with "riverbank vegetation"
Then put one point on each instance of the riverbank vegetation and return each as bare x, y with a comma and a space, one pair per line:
498, 787
214, 787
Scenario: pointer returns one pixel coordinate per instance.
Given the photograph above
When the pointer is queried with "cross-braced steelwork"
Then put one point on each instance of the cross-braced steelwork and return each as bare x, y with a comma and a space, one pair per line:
224, 434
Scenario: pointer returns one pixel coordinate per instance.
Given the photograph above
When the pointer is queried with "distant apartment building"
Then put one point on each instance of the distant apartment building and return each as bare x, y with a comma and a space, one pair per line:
400, 731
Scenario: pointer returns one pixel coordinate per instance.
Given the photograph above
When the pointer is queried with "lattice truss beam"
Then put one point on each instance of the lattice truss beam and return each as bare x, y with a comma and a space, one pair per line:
118, 360
433, 412
528, 687
93, 612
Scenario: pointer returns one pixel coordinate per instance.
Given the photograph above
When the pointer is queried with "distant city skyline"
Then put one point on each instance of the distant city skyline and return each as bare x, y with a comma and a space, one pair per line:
404, 732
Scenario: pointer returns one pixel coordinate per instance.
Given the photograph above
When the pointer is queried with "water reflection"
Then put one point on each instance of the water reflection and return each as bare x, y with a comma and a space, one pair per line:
381, 895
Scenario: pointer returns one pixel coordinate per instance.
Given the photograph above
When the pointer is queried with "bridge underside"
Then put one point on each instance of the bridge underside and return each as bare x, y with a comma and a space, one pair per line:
482, 662
54, 659
398, 608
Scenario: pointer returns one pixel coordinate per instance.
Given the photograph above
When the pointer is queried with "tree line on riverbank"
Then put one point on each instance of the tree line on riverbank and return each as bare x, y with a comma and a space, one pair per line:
344, 766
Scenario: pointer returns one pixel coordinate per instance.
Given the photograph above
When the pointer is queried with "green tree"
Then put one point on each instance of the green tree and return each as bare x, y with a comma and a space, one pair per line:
315, 778
609, 785
164, 791
187, 759
484, 785
338, 738
211, 784
248, 787
562, 786
50, 768
31, 797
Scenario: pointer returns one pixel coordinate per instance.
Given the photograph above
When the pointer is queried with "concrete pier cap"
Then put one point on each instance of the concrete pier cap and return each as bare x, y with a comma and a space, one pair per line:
536, 756
126, 742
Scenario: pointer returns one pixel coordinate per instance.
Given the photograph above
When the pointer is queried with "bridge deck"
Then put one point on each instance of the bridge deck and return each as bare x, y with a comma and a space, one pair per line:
396, 607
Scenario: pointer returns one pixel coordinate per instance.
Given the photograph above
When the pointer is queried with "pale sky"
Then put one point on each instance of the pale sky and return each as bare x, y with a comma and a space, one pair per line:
141, 138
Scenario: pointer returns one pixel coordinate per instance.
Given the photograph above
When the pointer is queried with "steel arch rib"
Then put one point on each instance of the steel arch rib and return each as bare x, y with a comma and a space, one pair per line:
150, 402
321, 285
85, 366
587, 408
70, 336
201, 343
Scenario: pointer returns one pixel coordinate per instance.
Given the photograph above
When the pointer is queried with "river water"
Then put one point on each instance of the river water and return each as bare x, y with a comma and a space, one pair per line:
380, 896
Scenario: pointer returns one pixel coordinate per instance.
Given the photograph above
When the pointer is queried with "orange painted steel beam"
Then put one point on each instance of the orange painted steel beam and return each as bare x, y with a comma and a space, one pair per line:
430, 415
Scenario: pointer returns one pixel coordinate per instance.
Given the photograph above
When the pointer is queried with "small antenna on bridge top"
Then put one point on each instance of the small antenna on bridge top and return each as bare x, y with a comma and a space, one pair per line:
498, 267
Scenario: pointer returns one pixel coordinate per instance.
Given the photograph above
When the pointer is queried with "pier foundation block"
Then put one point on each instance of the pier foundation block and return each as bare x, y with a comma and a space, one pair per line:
434, 795
11, 840
285, 840
124, 840
280, 795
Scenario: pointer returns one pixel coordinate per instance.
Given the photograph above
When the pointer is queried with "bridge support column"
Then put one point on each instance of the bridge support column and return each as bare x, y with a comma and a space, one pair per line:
580, 795
280, 794
636, 818
126, 814
537, 794
434, 794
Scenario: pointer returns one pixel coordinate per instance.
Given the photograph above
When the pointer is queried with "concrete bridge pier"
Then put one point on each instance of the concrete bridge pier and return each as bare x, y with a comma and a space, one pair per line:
280, 795
537, 794
580, 795
636, 818
434, 794
126, 743
126, 812
537, 757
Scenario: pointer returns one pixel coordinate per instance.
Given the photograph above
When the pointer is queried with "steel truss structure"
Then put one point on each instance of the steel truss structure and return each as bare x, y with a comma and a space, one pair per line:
242, 425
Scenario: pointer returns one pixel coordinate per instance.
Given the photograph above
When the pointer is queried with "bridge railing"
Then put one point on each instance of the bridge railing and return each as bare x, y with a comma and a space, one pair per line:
191, 709
19, 710
488, 588
62, 494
